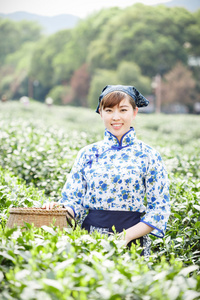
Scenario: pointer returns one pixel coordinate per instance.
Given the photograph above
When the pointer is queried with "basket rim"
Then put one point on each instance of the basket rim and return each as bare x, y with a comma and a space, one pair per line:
38, 210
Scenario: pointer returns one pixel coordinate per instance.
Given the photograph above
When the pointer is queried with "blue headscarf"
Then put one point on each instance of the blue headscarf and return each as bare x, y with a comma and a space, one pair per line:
139, 99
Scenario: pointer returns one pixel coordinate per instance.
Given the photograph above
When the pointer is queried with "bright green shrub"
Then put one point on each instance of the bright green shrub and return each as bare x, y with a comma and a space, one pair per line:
49, 264
41, 155
15, 193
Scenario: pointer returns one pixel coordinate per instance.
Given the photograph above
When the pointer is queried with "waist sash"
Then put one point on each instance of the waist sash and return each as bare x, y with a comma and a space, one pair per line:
104, 220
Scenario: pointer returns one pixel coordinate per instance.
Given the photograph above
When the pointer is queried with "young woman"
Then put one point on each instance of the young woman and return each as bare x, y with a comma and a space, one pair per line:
119, 181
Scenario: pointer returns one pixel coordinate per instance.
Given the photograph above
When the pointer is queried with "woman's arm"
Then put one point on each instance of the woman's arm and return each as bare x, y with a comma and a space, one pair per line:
157, 192
136, 231
73, 191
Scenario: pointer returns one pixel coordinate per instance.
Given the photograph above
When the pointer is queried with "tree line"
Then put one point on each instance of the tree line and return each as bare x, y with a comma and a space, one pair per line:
113, 46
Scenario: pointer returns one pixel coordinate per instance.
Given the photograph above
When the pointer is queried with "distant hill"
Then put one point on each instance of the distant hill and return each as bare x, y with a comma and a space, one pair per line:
191, 5
50, 24
66, 21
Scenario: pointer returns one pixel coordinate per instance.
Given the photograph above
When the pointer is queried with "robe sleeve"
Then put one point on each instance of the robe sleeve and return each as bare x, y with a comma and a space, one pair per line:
75, 188
157, 193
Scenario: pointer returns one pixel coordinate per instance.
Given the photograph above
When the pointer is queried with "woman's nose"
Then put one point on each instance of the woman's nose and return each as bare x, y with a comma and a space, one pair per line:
115, 116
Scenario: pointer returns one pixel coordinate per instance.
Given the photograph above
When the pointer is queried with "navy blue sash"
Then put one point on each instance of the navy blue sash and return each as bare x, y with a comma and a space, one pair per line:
104, 220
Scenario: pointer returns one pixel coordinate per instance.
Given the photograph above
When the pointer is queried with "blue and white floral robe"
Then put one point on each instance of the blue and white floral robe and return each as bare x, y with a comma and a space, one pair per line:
125, 176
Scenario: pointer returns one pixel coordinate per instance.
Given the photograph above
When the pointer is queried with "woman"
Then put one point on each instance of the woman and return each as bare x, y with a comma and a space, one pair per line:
112, 179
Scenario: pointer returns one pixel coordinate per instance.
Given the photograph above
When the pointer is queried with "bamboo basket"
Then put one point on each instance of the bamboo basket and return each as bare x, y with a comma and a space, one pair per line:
37, 216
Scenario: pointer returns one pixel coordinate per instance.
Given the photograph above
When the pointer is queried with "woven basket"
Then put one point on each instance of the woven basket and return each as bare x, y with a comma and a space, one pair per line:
37, 216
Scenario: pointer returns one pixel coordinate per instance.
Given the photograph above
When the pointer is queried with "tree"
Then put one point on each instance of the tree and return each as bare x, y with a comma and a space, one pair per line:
14, 34
129, 73
61, 94
152, 37
99, 56
80, 83
100, 79
44, 63
177, 86
17, 43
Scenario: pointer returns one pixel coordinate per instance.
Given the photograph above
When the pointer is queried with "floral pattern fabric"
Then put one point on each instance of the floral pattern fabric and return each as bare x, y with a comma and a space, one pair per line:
127, 176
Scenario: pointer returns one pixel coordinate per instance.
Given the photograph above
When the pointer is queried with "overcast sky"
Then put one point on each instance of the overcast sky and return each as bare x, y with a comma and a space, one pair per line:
80, 8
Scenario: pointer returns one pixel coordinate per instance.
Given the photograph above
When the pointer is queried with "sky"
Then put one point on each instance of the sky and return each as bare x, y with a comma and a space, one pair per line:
80, 8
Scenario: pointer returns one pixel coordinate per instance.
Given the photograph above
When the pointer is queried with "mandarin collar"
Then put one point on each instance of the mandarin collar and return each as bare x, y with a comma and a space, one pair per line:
127, 139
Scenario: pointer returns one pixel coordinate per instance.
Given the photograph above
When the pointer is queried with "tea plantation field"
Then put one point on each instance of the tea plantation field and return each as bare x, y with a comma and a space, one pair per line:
38, 146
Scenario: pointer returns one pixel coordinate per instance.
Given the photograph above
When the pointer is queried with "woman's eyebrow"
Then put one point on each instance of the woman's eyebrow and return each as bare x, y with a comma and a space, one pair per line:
124, 105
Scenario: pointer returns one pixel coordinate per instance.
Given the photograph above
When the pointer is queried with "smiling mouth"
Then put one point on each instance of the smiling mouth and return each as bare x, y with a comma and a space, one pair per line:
117, 126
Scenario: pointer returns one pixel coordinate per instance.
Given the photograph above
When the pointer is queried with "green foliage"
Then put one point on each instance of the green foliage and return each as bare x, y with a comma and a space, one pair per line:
58, 93
151, 36
100, 79
21, 59
14, 34
67, 61
129, 72
154, 38
5, 85
44, 57
41, 160
126, 73
14, 193
15, 79
18, 41
46, 263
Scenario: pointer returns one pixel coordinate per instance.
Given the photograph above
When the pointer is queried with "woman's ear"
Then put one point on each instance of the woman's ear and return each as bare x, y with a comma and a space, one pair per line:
135, 111
100, 112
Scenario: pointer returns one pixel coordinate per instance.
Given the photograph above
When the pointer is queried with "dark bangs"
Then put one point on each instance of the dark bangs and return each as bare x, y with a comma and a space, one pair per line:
114, 98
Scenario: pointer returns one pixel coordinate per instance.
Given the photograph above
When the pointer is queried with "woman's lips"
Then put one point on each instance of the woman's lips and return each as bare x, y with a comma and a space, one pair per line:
117, 125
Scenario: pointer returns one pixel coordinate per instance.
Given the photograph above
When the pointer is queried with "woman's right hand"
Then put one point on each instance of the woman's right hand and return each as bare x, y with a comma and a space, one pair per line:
50, 205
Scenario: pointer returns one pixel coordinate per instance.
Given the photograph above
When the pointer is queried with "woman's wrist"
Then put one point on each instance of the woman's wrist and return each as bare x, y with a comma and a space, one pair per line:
128, 237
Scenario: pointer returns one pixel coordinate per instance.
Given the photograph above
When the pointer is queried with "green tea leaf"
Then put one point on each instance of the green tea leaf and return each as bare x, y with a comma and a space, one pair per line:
197, 207
53, 283
1, 276
187, 270
48, 229
191, 295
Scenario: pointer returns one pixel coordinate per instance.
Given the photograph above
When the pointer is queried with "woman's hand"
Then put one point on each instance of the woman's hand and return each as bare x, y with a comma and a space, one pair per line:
50, 205
134, 232
122, 237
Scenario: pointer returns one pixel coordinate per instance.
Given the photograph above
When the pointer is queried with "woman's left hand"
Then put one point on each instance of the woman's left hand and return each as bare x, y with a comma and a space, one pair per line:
122, 237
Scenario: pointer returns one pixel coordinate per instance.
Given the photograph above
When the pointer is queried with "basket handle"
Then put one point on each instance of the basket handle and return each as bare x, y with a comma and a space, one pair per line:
69, 218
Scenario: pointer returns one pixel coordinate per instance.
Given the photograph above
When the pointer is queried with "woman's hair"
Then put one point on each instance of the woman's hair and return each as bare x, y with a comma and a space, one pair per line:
114, 98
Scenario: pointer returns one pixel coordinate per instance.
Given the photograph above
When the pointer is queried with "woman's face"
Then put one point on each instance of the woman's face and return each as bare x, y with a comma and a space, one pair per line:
118, 119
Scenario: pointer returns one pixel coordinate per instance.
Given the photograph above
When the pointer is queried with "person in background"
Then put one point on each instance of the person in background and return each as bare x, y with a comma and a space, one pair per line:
119, 181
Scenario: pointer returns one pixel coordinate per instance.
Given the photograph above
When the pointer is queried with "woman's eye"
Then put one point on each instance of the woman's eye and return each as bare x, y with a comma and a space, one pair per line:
108, 110
124, 110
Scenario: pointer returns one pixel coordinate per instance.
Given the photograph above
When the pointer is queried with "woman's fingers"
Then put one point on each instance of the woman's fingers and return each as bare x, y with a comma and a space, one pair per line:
50, 205
120, 236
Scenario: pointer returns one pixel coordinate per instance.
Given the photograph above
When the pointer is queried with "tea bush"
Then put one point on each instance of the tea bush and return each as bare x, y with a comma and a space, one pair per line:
36, 154
46, 263
15, 193
40, 155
